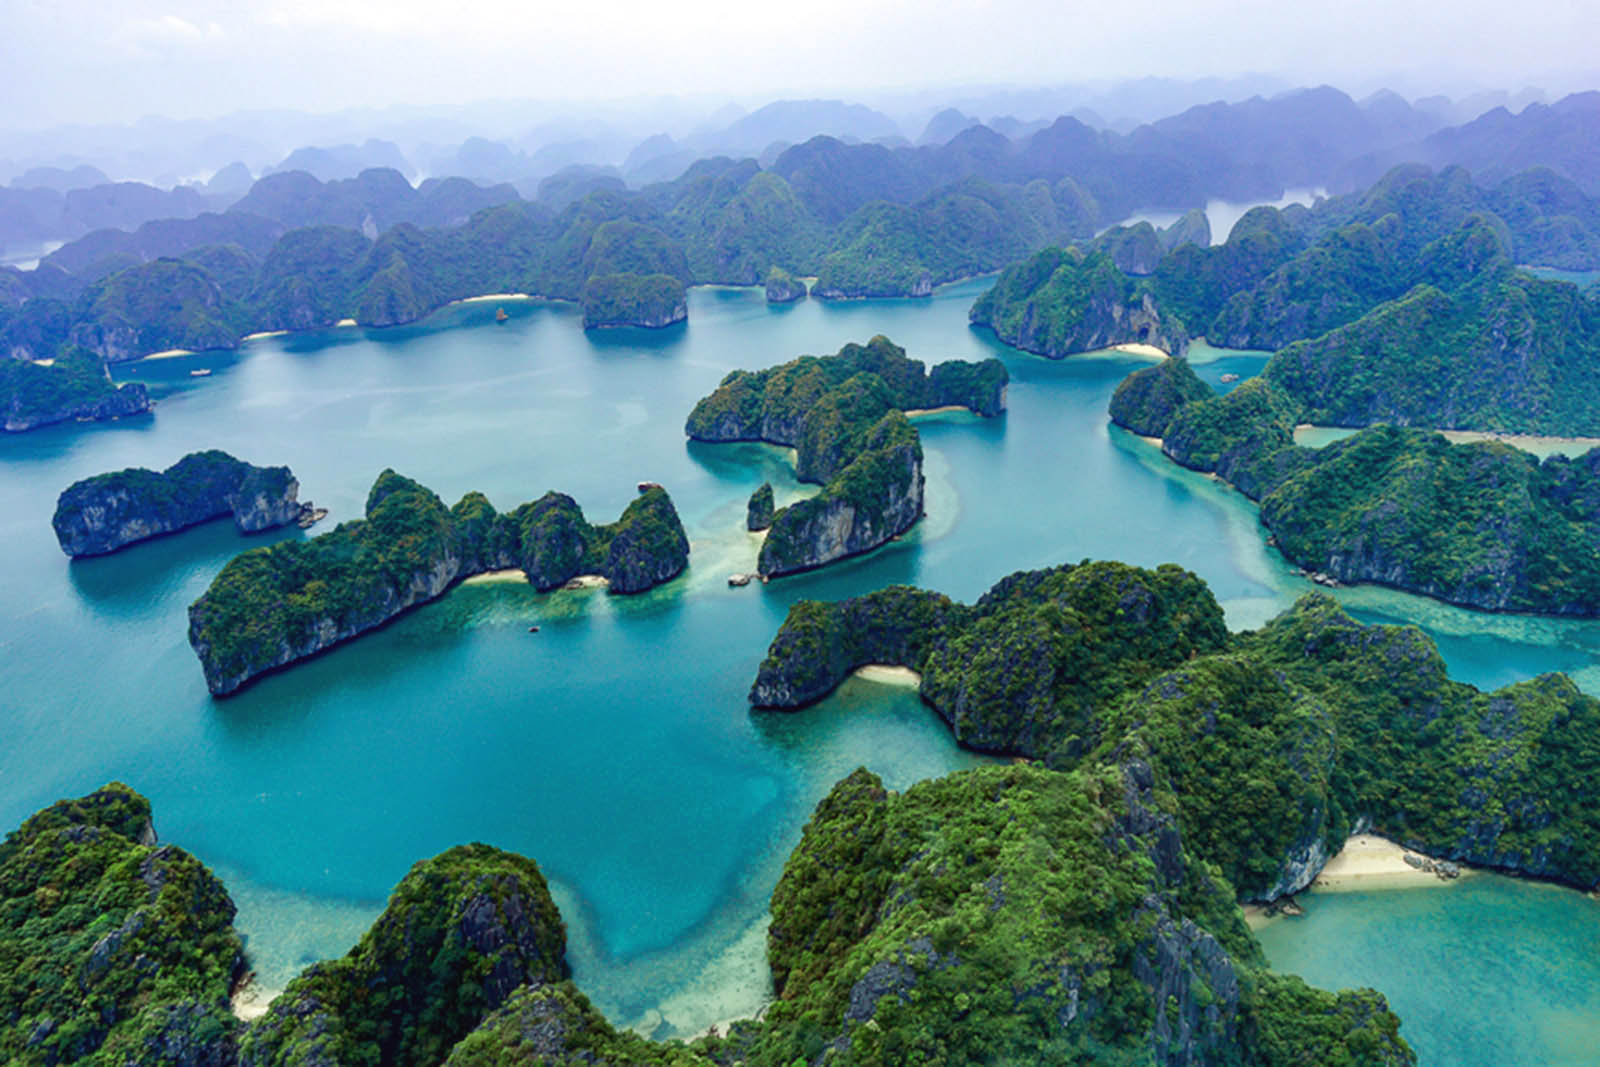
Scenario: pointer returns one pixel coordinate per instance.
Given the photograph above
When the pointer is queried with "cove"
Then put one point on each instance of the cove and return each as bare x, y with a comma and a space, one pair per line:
615, 746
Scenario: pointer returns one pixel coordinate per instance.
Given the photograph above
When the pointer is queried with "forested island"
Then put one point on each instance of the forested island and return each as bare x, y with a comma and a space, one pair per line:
274, 605
1276, 743
905, 927
1401, 304
103, 513
845, 417
73, 385
1480, 524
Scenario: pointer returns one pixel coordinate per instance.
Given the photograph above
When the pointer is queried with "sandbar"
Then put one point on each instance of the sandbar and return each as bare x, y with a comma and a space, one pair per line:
1136, 349
884, 674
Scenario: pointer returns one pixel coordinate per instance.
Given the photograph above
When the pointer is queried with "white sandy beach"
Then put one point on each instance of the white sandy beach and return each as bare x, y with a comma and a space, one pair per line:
171, 353
263, 335
345, 322
1536, 444
912, 413
884, 674
486, 297
512, 574
1368, 861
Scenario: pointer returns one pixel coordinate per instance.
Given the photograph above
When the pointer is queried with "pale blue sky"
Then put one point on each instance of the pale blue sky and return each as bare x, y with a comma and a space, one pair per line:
99, 60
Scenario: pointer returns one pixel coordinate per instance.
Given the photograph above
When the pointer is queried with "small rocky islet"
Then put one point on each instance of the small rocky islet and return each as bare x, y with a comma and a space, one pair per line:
109, 511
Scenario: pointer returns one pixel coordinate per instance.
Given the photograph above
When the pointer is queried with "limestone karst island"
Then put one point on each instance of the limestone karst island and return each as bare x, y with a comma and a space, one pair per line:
827, 539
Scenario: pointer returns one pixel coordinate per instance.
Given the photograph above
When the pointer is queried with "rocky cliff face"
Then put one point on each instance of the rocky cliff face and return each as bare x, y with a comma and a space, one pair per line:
106, 512
883, 498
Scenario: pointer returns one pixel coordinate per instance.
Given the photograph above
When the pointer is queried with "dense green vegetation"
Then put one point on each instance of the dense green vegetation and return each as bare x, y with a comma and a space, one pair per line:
1021, 915
112, 949
1275, 742
843, 415
104, 512
1062, 301
270, 606
759, 510
1481, 524
1009, 914
461, 932
782, 287
653, 300
74, 386
1399, 304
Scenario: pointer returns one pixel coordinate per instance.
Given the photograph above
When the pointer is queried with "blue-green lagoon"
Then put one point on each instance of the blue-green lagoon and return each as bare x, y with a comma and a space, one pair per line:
615, 746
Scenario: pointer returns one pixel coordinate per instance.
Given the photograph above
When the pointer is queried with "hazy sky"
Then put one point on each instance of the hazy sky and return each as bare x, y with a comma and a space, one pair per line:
113, 60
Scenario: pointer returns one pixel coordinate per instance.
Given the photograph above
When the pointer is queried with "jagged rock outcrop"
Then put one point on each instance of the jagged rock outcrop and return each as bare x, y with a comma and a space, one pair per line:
1063, 301
1135, 249
108, 511
1193, 228
272, 606
758, 512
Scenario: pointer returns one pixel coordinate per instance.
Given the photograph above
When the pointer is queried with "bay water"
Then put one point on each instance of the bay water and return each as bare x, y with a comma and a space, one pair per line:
615, 746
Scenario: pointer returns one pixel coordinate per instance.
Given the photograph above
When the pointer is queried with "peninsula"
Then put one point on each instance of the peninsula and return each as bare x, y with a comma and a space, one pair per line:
845, 417
103, 513
1481, 524
274, 605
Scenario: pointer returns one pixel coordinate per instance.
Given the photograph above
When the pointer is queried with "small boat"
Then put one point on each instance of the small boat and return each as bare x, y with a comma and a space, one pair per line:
533, 629
738, 579
200, 372
500, 315
1230, 377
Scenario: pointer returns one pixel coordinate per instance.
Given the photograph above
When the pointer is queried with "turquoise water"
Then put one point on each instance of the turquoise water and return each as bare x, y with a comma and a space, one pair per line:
615, 746
1487, 970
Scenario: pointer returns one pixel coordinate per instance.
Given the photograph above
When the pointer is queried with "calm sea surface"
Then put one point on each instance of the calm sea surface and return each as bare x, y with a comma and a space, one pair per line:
615, 746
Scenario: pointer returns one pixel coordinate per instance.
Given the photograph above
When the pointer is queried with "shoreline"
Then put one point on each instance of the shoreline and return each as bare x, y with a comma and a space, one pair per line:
943, 409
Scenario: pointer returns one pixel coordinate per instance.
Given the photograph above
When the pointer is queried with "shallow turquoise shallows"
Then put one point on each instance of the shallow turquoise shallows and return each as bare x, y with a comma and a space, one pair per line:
615, 745
1487, 970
